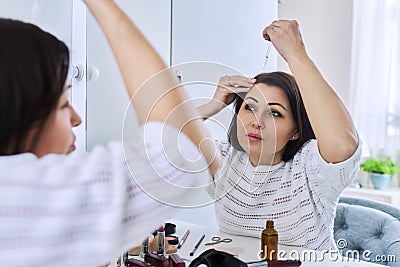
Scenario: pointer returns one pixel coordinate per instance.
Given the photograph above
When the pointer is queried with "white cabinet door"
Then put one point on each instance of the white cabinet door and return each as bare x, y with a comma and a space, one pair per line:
107, 101
227, 34
78, 72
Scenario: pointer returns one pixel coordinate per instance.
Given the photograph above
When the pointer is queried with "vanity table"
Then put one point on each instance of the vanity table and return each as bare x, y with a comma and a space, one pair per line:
247, 248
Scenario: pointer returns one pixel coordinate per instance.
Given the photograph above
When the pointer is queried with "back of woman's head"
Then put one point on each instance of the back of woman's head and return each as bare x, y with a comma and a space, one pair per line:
33, 70
288, 84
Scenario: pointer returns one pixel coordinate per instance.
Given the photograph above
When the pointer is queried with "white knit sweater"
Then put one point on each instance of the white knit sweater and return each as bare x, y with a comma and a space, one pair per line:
299, 195
85, 209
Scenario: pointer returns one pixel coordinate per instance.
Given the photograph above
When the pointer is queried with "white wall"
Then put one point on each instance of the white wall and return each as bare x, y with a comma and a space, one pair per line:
107, 100
52, 16
326, 27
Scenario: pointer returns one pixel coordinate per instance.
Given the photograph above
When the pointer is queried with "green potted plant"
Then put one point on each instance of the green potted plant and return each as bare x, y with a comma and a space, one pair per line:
380, 170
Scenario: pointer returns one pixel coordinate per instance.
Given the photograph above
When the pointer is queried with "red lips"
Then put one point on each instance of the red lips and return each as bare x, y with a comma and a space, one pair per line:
254, 137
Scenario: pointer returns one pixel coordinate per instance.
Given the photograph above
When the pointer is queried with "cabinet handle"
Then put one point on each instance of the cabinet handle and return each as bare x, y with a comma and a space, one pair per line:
179, 74
78, 72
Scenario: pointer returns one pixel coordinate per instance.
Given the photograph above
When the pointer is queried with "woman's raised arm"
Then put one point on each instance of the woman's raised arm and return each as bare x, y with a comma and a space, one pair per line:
329, 118
155, 97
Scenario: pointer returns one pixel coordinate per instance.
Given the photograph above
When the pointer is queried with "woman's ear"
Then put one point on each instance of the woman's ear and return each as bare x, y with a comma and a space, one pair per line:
295, 136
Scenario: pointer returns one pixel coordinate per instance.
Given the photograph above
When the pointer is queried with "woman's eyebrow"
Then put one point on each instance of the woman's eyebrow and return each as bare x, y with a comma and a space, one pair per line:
277, 104
269, 104
252, 98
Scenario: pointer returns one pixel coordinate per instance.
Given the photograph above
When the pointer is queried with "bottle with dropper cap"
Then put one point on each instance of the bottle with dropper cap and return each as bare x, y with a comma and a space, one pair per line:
269, 242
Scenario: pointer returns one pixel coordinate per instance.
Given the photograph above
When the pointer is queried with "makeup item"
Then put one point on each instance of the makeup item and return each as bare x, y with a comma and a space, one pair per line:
197, 245
169, 229
269, 242
183, 239
122, 260
136, 263
172, 240
144, 249
156, 260
176, 261
161, 241
173, 260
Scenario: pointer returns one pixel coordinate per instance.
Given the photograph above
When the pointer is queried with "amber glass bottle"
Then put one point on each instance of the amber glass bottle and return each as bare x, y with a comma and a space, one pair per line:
269, 242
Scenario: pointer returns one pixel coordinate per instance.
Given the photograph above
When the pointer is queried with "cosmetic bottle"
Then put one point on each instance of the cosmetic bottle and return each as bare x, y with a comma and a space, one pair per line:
269, 242
144, 249
122, 260
161, 241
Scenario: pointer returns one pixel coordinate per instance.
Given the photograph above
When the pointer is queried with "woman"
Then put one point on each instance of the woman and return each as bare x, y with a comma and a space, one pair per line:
292, 149
84, 209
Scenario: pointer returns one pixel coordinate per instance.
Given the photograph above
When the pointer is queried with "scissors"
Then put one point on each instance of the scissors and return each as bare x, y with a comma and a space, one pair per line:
216, 240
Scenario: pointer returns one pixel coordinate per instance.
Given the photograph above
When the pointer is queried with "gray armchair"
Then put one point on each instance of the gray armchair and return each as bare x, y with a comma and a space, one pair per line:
369, 230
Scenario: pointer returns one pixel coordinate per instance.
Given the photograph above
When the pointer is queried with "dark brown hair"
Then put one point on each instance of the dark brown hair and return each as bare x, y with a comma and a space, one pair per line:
33, 69
288, 84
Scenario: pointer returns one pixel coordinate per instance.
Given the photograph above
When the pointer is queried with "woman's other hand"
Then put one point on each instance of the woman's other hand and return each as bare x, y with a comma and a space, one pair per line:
228, 87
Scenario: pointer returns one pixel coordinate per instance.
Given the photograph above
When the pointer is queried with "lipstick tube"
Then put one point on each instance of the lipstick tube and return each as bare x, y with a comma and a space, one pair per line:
161, 241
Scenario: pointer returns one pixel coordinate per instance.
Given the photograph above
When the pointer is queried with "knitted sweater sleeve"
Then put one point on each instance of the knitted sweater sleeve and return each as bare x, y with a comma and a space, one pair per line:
85, 209
224, 147
326, 180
